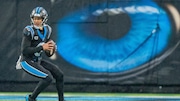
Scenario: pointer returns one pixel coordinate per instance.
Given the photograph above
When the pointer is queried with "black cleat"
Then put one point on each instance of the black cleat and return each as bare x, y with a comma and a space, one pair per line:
28, 98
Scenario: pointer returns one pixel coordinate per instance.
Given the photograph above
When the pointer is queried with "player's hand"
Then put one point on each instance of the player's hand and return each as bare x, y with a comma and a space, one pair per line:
49, 46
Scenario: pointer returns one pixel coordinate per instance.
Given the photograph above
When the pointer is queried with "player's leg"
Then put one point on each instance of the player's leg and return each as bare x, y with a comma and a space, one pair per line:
37, 70
58, 75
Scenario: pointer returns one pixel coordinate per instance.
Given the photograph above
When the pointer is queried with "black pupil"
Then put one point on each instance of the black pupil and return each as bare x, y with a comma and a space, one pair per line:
109, 26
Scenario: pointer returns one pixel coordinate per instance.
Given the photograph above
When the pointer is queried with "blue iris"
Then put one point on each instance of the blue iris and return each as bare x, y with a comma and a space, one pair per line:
144, 41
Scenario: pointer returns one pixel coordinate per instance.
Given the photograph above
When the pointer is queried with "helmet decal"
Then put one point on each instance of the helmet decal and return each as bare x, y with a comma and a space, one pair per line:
38, 10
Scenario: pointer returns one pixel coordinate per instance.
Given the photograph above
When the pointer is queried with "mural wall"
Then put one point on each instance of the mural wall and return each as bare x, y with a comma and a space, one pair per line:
120, 42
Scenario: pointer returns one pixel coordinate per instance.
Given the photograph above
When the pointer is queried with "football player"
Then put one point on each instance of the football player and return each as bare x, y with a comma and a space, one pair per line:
36, 41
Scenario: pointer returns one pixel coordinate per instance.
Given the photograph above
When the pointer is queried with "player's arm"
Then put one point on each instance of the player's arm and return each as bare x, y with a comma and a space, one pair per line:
51, 43
26, 44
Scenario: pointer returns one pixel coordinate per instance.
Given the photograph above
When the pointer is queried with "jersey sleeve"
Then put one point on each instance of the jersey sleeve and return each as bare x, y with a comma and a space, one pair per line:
27, 32
26, 48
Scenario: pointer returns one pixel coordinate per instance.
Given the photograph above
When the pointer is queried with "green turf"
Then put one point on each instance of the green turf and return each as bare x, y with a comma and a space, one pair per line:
79, 96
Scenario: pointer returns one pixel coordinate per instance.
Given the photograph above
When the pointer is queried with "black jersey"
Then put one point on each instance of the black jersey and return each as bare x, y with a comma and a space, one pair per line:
32, 41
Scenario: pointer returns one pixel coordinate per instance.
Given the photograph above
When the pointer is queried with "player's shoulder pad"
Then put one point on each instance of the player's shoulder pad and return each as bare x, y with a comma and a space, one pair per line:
28, 30
49, 30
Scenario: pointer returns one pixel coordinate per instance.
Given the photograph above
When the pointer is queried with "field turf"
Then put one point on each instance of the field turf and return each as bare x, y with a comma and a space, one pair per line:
80, 96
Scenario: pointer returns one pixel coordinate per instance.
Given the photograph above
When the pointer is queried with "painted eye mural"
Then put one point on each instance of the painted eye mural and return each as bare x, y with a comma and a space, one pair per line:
131, 36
